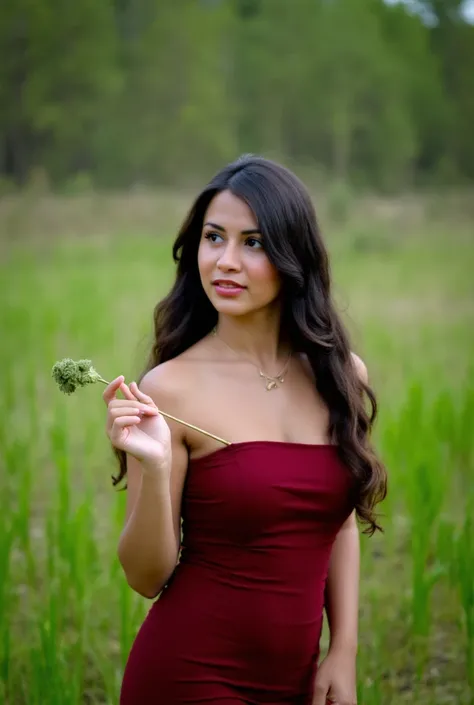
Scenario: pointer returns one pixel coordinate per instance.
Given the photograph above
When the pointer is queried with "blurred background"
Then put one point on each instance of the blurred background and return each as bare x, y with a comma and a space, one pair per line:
118, 94
113, 115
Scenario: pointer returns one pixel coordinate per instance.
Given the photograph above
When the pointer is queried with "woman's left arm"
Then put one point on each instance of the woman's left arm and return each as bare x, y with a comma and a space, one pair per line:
336, 676
342, 588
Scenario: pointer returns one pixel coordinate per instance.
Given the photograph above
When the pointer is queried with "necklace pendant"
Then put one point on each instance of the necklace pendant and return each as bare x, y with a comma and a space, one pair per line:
270, 382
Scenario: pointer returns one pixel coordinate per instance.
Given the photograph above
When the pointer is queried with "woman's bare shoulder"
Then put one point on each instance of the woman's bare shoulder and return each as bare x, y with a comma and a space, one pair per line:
361, 368
359, 364
173, 381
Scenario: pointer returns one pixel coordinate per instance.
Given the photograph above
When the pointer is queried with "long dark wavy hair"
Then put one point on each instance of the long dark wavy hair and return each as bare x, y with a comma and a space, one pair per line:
293, 243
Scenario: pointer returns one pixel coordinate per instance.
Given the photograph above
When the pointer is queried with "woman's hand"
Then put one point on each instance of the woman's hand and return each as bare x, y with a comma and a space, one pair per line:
135, 426
335, 680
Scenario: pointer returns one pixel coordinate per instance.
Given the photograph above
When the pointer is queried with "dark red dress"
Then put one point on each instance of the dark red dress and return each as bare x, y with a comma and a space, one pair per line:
240, 619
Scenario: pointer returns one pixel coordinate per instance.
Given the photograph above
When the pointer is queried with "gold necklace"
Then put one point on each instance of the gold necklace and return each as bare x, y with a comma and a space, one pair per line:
270, 382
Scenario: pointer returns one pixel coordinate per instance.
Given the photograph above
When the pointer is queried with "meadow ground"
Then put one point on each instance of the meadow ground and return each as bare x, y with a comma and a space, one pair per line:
405, 286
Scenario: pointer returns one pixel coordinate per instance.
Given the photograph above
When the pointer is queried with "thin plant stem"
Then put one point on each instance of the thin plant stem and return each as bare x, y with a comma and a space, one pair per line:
184, 423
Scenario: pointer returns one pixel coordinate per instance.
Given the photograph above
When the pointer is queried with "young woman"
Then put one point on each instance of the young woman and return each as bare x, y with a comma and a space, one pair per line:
249, 350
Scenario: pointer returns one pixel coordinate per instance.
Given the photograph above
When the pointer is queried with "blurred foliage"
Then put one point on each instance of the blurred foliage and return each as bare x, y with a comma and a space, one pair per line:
151, 92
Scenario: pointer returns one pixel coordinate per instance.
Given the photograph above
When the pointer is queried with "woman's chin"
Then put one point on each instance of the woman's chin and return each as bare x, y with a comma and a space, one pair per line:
237, 307
231, 308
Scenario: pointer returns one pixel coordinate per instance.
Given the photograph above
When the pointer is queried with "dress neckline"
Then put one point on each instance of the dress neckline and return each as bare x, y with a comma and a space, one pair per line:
242, 445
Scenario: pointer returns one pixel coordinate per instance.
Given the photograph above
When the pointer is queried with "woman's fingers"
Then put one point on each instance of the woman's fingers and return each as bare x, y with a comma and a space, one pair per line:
116, 430
120, 409
140, 396
125, 389
117, 403
130, 410
131, 393
125, 421
112, 388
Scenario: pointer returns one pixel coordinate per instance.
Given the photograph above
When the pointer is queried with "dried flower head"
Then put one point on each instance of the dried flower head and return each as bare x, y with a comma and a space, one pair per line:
70, 374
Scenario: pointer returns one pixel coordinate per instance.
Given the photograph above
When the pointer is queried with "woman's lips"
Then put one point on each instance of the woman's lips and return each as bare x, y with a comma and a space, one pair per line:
225, 289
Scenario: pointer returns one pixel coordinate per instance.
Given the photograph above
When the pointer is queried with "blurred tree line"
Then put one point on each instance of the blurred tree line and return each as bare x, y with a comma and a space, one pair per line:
160, 91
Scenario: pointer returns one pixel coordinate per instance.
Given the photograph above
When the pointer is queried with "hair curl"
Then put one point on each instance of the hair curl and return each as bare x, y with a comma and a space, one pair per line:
293, 243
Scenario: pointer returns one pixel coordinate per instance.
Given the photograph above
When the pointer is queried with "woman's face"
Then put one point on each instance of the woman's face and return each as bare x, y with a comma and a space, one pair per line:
236, 274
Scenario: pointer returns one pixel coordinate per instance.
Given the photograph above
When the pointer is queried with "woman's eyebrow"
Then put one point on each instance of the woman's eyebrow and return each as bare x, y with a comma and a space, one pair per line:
251, 231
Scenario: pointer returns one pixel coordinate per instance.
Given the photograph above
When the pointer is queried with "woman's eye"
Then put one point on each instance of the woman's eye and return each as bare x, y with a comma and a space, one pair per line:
212, 237
254, 243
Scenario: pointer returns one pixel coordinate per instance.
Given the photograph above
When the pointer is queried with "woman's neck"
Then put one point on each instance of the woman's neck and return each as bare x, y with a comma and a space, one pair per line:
258, 339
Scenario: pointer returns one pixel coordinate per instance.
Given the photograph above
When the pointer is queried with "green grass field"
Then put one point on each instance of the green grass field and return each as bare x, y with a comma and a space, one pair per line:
67, 617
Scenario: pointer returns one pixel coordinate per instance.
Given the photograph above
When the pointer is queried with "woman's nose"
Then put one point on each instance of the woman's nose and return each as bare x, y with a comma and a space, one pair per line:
230, 259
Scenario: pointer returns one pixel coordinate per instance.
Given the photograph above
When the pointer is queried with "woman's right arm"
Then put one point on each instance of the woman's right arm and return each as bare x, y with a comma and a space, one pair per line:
156, 468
